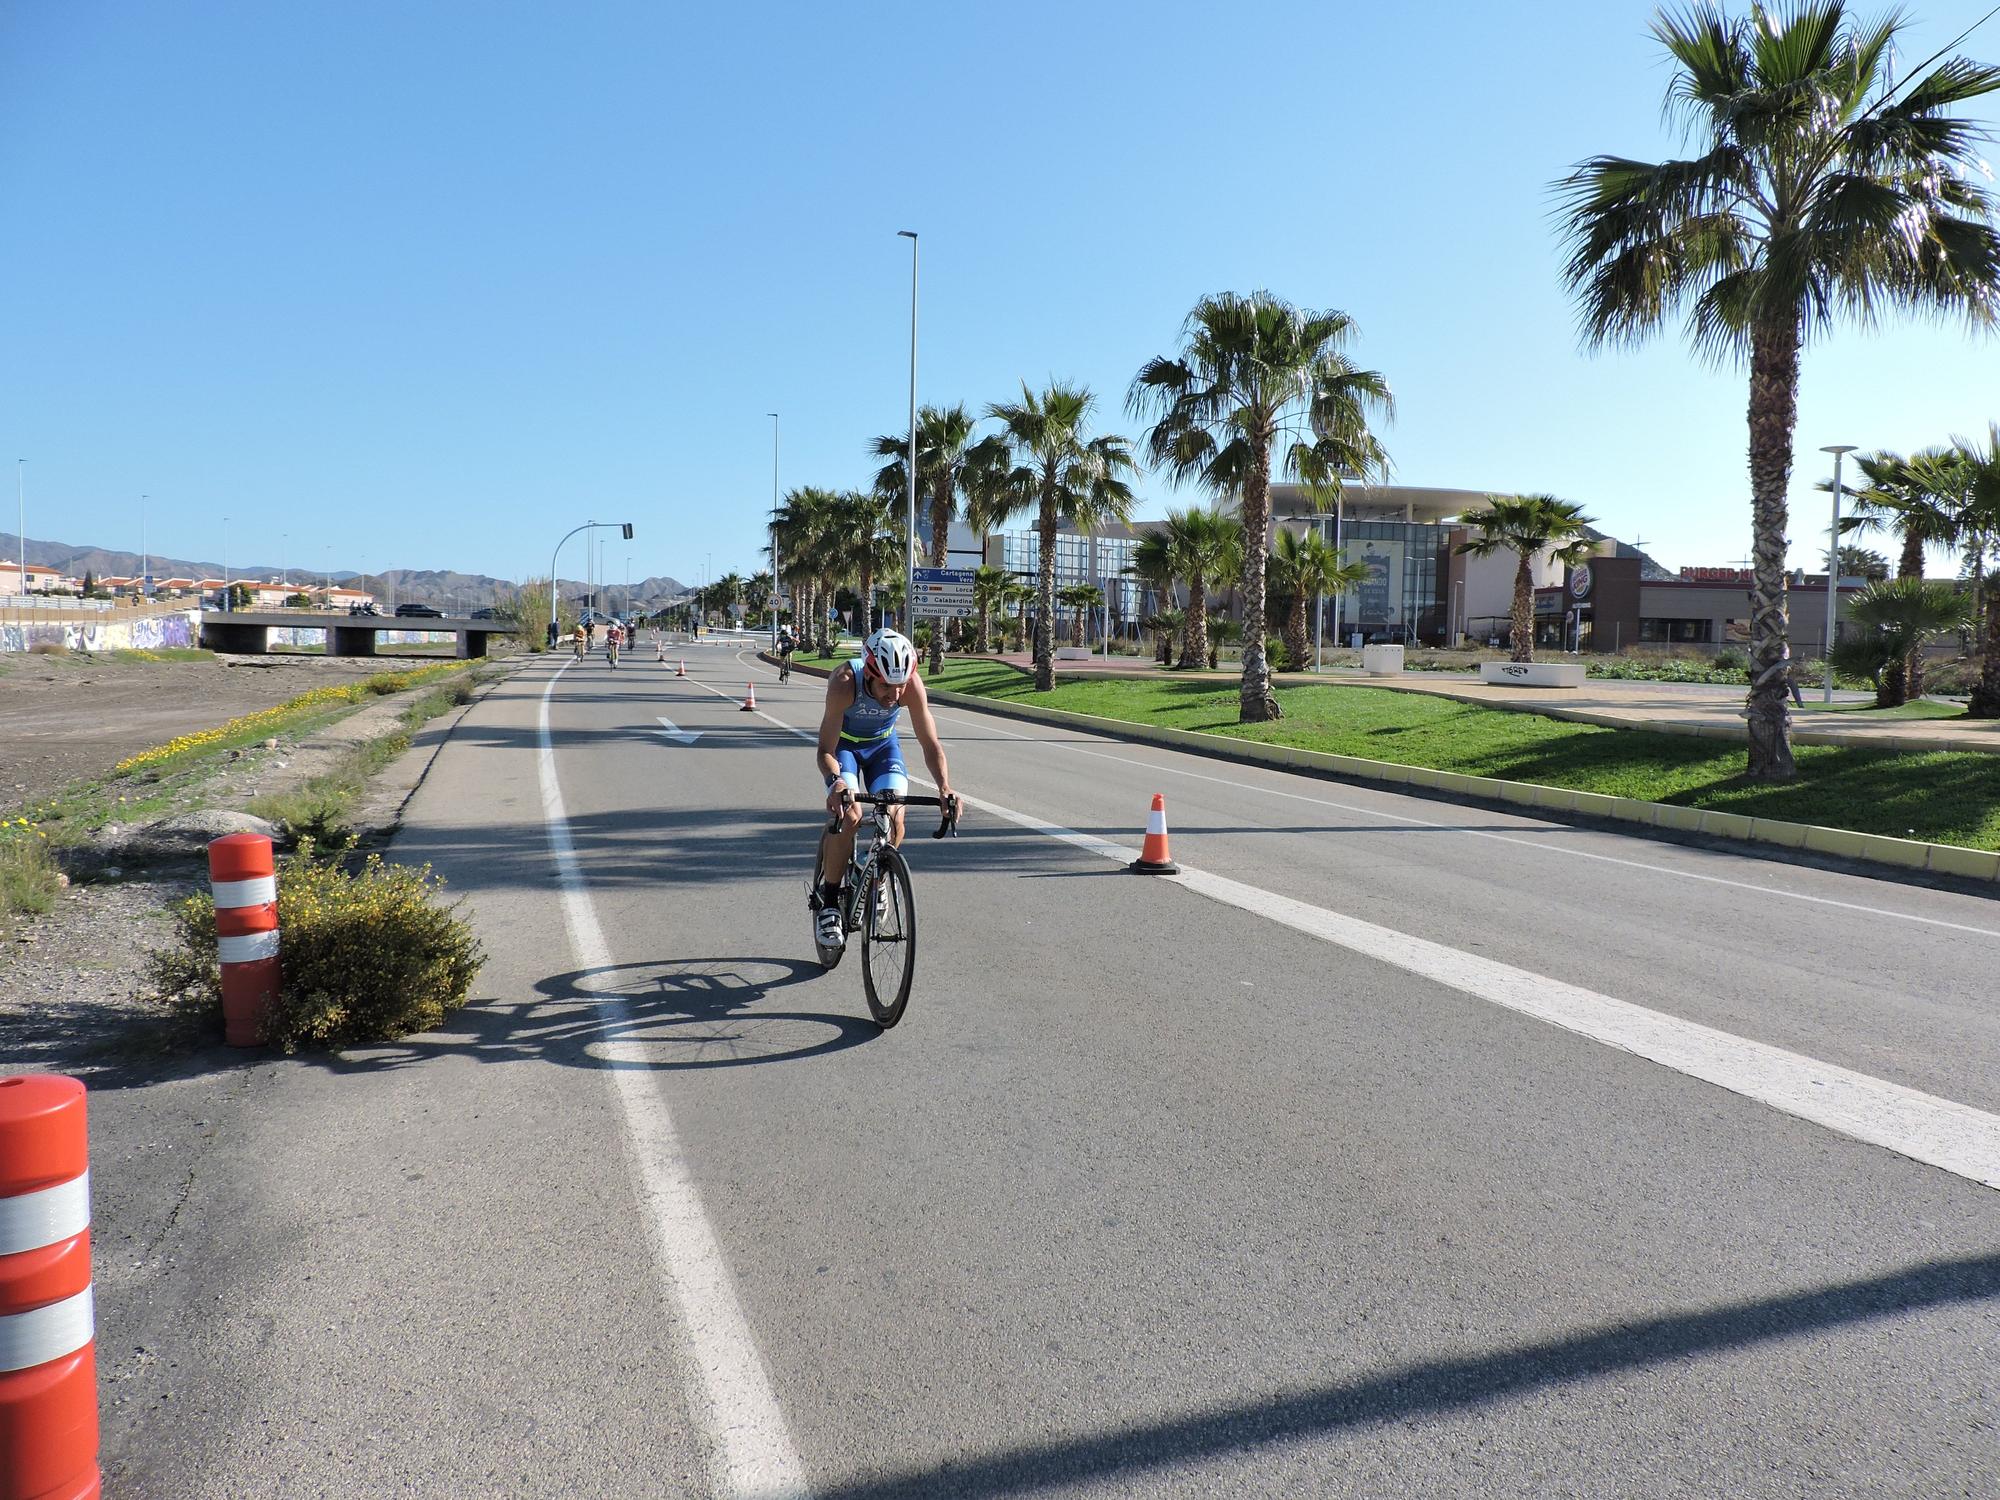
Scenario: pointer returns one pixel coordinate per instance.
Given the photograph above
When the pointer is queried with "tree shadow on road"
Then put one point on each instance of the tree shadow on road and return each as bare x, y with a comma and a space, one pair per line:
1436, 1388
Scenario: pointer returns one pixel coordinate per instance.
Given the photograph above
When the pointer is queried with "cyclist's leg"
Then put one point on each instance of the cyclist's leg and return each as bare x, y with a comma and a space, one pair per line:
886, 773
837, 848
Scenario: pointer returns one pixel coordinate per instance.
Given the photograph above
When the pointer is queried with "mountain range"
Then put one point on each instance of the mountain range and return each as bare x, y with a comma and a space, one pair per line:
440, 587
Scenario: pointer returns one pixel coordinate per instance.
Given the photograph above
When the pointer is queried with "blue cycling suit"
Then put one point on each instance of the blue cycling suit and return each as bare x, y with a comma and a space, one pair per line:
869, 758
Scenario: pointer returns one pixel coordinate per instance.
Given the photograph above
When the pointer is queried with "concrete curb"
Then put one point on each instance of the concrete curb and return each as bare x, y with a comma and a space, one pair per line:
1902, 854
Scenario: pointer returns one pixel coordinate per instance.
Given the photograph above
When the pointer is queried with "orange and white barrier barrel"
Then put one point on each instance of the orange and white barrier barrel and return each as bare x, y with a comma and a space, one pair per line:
244, 879
48, 1353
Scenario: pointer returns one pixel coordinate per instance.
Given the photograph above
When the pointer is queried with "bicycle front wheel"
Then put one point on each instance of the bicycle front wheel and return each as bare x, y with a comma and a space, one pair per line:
889, 938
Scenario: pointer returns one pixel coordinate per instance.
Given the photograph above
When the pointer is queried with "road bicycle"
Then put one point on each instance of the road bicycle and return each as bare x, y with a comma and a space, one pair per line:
877, 903
784, 666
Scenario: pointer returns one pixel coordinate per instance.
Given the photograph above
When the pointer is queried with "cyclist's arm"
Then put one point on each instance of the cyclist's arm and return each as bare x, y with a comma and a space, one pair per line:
924, 727
839, 687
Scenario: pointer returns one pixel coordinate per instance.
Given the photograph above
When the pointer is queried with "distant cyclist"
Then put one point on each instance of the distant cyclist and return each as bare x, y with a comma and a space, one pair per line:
787, 644
582, 644
612, 635
858, 752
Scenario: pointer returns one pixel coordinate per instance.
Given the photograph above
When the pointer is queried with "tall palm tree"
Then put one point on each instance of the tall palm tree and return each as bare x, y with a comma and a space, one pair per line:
1902, 496
989, 589
1817, 191
1081, 598
869, 525
1256, 375
950, 467
1305, 569
1526, 525
1896, 621
1054, 470
1205, 550
1981, 518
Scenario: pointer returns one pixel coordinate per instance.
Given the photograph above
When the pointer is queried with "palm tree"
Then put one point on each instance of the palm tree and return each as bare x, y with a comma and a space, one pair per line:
1255, 372
1305, 569
1526, 525
1897, 620
1901, 496
1166, 625
869, 524
1020, 596
1081, 598
1205, 551
1806, 200
1981, 518
950, 468
1054, 470
989, 589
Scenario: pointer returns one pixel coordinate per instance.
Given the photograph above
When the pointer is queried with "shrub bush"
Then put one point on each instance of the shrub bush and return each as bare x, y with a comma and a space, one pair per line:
364, 956
29, 880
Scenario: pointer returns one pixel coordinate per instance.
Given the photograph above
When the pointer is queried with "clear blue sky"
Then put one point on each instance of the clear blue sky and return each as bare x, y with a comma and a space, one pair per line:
424, 284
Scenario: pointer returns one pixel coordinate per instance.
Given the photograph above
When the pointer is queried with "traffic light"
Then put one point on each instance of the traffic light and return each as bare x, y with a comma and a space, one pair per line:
628, 531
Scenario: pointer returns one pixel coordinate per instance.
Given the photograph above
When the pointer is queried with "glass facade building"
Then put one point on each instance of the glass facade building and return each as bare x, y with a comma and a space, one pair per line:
1399, 598
1100, 560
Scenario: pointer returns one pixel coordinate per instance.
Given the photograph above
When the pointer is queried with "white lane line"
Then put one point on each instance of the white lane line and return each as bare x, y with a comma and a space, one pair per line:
1482, 833
751, 1452
1938, 1132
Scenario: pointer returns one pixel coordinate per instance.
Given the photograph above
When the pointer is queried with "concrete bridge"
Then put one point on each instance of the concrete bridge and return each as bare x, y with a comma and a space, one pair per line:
248, 632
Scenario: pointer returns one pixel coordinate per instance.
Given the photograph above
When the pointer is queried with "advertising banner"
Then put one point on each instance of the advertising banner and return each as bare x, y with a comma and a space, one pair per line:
1376, 603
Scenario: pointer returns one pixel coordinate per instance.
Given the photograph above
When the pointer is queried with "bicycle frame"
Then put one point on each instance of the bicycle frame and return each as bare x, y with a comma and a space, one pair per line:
862, 866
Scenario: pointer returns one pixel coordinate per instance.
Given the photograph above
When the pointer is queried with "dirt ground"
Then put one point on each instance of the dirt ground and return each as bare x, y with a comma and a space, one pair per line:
70, 718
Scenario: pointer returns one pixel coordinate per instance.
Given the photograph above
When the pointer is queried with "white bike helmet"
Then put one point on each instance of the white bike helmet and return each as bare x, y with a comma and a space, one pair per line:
891, 656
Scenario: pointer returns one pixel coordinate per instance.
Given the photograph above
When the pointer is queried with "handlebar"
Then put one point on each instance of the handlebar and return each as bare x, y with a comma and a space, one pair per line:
947, 826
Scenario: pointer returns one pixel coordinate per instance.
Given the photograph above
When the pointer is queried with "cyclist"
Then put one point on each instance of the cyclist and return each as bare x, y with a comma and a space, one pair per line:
611, 639
787, 643
858, 752
578, 638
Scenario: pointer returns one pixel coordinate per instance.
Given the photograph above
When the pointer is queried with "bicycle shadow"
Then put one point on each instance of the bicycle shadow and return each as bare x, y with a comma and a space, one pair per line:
654, 1016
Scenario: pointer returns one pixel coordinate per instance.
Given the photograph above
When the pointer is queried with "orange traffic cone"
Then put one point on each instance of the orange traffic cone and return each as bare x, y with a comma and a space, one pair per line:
1153, 857
750, 703
683, 670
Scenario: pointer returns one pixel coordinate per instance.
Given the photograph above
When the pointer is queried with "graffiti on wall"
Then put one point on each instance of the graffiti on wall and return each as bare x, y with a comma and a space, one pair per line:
145, 633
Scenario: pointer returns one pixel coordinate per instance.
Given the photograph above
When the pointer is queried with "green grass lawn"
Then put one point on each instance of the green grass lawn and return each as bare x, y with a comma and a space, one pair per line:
1950, 797
1921, 708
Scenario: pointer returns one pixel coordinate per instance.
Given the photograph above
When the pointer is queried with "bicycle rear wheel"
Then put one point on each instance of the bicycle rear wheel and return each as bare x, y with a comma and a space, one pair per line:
889, 937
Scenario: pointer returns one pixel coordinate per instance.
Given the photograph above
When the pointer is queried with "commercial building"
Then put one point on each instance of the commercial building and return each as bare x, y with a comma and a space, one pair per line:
1606, 605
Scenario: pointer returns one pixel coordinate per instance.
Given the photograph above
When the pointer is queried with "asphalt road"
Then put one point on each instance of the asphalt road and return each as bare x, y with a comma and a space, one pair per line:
1402, 1148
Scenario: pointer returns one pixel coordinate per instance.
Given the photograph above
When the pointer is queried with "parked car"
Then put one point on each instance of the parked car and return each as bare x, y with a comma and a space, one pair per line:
418, 612
363, 609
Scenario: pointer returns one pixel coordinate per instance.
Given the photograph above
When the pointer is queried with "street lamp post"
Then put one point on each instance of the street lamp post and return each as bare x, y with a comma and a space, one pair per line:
1838, 450
910, 500
1319, 519
21, 500
145, 559
225, 562
775, 574
555, 592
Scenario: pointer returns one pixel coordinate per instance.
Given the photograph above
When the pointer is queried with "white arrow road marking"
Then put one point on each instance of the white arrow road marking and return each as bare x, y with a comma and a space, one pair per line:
679, 736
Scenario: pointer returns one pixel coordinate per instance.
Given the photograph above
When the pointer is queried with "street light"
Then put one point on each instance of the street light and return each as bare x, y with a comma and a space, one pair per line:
145, 559
1833, 562
555, 590
775, 585
21, 499
1319, 518
910, 502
